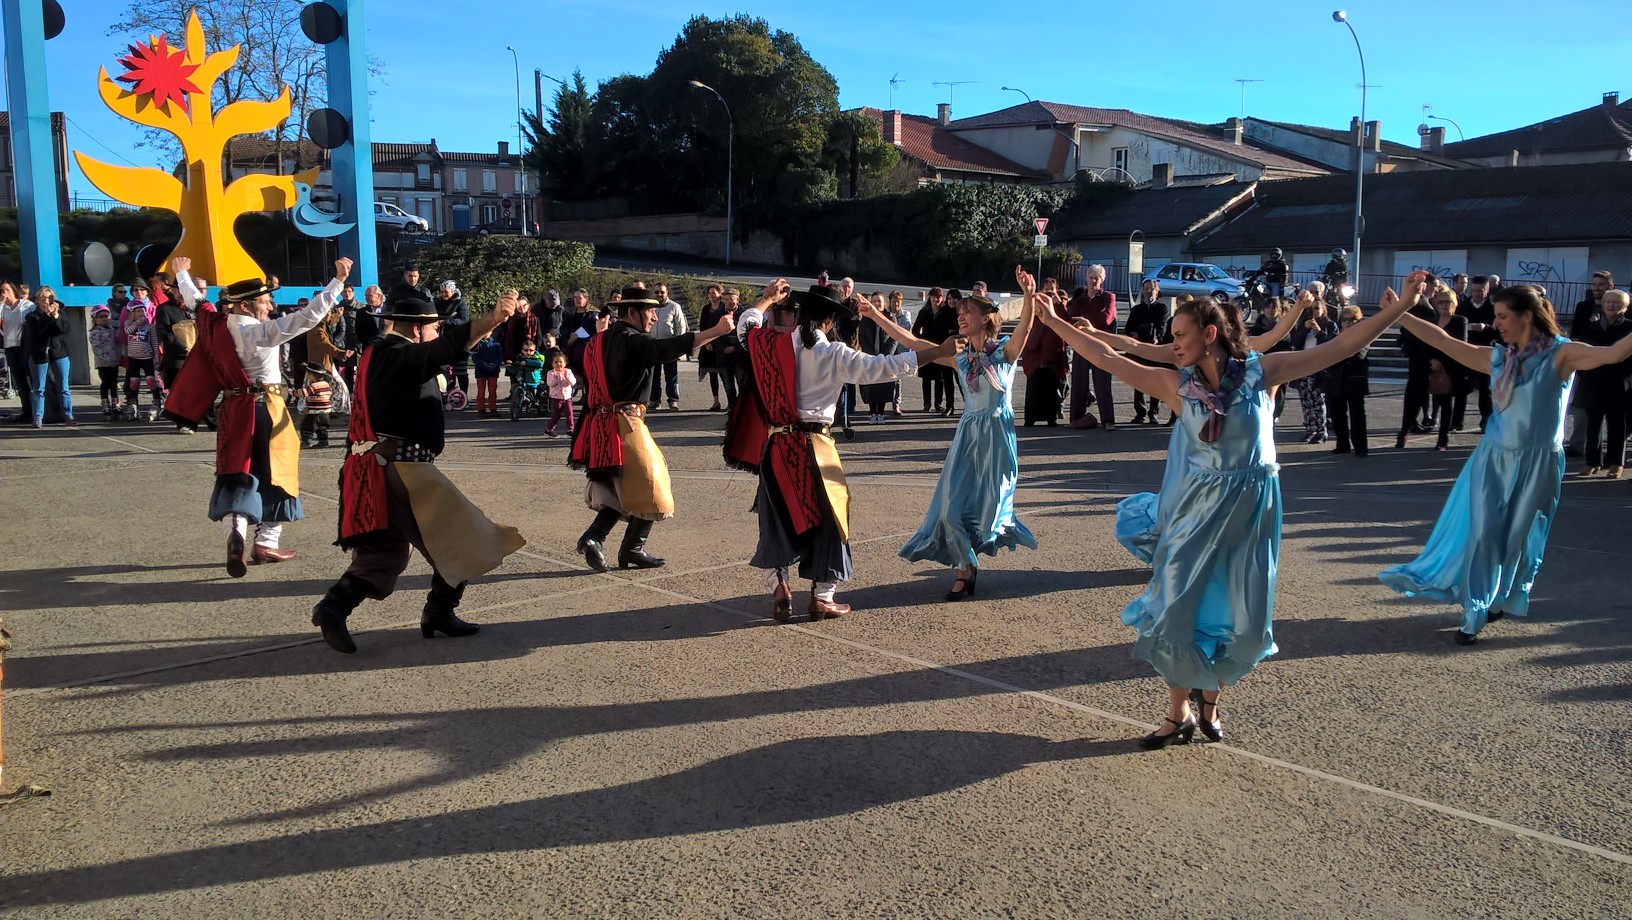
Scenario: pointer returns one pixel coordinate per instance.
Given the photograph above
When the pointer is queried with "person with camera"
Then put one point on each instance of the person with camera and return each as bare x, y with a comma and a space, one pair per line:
46, 339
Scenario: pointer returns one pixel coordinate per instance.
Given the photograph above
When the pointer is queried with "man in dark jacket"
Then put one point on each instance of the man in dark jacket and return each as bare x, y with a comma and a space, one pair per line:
1588, 313
1148, 321
1481, 314
450, 305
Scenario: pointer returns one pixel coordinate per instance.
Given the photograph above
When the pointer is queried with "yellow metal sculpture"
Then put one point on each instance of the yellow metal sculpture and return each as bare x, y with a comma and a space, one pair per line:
170, 89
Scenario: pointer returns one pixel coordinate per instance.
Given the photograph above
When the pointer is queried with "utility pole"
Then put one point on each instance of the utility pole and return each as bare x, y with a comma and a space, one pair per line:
1244, 82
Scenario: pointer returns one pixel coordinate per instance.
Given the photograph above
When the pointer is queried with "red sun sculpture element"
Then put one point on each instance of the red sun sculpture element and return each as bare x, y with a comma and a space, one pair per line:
161, 74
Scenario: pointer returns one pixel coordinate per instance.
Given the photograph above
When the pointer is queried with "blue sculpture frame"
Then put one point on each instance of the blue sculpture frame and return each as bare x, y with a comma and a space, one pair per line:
29, 103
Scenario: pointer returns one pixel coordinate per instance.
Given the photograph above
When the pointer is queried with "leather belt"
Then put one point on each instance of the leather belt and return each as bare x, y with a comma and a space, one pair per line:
388, 449
804, 427
631, 409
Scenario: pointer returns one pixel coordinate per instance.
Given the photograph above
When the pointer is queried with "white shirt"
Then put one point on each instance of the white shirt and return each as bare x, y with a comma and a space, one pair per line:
749, 318
824, 369
671, 321
256, 342
11, 321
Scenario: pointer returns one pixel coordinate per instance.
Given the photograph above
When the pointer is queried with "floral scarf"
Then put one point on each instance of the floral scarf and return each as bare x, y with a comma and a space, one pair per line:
1501, 389
980, 362
1217, 401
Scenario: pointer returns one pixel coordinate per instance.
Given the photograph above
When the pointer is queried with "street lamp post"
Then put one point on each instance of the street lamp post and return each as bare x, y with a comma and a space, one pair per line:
521, 164
1011, 89
1459, 135
1360, 161
730, 161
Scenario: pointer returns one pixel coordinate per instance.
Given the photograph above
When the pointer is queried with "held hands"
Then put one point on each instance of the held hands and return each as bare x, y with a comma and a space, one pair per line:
1306, 301
507, 305
181, 264
867, 309
1028, 284
342, 268
948, 348
777, 289
726, 324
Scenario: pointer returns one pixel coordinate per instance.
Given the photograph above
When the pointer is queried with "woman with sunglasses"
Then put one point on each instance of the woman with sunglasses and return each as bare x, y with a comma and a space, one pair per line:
1204, 622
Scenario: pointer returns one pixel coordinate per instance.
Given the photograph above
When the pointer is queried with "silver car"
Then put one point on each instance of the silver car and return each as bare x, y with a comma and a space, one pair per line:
1198, 279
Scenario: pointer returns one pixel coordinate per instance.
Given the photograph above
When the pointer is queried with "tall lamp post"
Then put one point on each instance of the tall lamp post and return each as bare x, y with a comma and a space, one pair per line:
1459, 134
521, 147
730, 161
1360, 161
1011, 89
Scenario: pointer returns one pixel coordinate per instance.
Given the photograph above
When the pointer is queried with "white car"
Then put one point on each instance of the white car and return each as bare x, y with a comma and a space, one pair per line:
407, 223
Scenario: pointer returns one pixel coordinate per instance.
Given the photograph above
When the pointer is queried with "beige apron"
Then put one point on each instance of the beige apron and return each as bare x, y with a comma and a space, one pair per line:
838, 491
284, 446
461, 542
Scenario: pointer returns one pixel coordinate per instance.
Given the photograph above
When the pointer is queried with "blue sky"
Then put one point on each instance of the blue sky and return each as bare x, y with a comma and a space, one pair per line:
1489, 65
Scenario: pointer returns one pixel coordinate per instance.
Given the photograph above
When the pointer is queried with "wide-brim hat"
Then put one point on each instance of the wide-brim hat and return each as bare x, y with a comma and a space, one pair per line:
410, 310
240, 291
639, 297
820, 303
315, 367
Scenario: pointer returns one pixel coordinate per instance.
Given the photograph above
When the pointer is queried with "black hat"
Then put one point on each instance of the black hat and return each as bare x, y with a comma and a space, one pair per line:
316, 368
634, 296
819, 304
240, 291
410, 309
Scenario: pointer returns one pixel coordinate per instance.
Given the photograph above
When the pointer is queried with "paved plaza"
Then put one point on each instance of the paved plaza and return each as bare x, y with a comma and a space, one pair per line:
635, 745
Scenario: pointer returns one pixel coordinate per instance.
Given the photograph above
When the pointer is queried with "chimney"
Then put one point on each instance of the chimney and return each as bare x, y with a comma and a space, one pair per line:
1355, 143
1233, 129
1612, 100
1161, 175
1512, 158
1436, 140
892, 126
943, 113
1374, 136
504, 150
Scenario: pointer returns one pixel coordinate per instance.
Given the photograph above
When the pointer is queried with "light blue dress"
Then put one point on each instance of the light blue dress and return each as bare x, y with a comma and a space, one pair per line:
1486, 548
1205, 619
972, 510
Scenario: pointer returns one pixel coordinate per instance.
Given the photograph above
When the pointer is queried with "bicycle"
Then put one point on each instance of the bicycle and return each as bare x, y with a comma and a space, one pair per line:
453, 398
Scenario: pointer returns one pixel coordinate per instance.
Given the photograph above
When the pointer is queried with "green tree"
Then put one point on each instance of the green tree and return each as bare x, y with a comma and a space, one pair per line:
559, 150
855, 152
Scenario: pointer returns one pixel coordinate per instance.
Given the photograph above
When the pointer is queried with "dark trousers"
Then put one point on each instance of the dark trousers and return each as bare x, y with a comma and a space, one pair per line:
940, 383
715, 376
1481, 382
315, 426
1416, 400
21, 380
666, 378
1449, 408
108, 378
377, 564
1083, 375
634, 534
1613, 451
1348, 416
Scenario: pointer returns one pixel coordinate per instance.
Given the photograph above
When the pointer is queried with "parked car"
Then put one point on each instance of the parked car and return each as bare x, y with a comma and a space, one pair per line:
509, 225
407, 223
1198, 279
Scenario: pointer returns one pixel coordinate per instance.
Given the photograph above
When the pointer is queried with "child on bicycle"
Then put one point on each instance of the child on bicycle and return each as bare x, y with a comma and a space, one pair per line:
529, 373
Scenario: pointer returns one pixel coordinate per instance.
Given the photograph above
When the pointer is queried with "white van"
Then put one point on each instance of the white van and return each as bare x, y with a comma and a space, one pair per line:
391, 214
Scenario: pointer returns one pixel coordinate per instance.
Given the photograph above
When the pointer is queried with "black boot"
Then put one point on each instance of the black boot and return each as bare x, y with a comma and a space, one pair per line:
438, 616
632, 554
330, 613
590, 543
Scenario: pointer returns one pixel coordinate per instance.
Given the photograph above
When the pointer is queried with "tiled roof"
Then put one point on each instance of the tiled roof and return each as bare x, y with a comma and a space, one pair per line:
1601, 126
1427, 208
1190, 134
400, 156
1390, 148
1156, 212
928, 141
261, 151
481, 159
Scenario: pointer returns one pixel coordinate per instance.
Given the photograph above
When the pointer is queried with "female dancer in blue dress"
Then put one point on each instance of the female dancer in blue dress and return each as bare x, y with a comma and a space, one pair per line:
972, 510
1486, 549
1204, 621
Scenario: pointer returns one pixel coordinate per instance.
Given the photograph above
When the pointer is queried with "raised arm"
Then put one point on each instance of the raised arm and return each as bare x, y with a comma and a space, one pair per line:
903, 337
1285, 366
190, 294
1161, 354
489, 321
1579, 356
280, 330
1160, 382
1473, 357
1022, 329
1283, 327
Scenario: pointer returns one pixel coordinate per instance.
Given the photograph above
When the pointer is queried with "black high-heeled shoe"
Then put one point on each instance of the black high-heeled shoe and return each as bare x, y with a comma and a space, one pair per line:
1212, 728
968, 589
1182, 733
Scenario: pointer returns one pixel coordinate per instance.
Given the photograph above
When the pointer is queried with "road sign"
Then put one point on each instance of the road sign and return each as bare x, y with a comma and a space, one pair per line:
505, 204
1042, 225
1041, 241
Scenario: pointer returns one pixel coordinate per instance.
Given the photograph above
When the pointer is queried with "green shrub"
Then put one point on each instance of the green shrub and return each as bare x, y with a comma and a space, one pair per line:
484, 266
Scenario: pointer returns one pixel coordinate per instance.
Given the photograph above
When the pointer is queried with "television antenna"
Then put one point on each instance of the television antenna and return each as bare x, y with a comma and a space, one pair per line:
894, 82
1244, 81
950, 85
